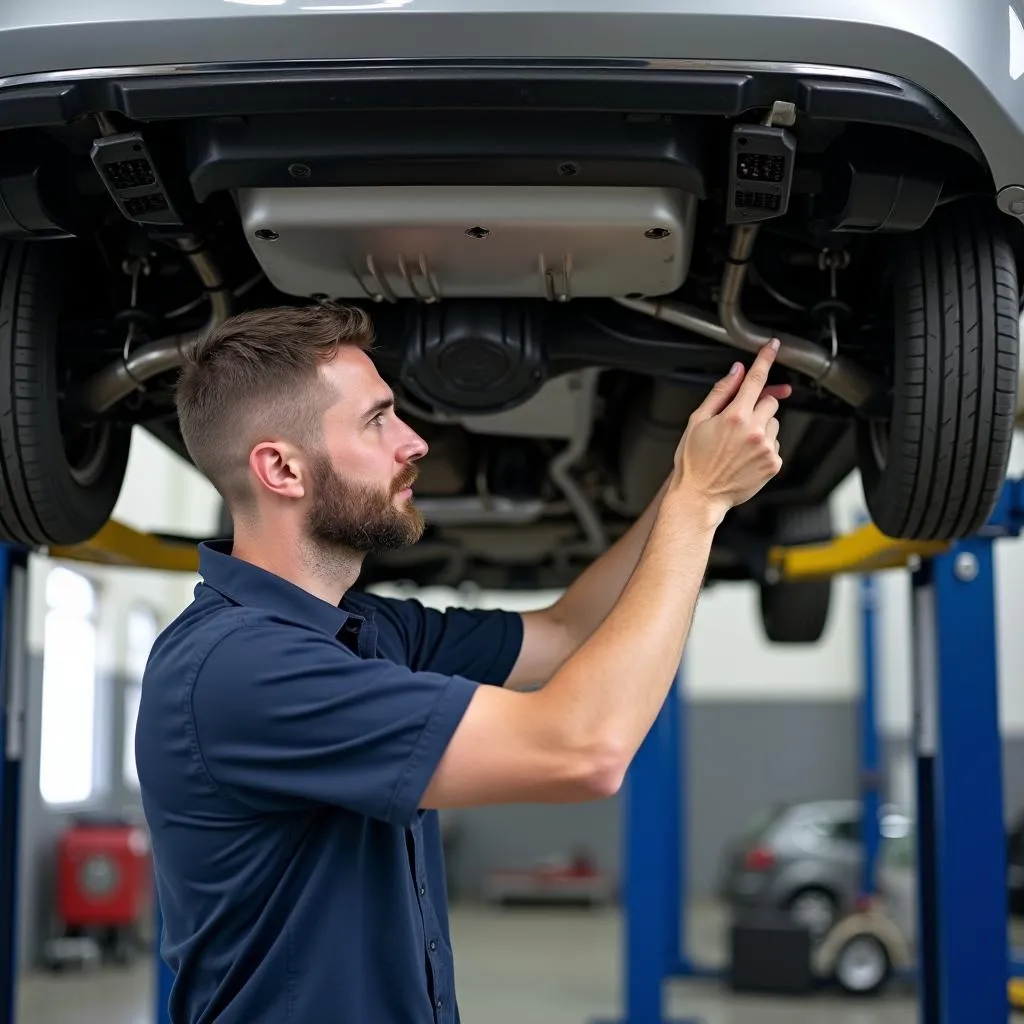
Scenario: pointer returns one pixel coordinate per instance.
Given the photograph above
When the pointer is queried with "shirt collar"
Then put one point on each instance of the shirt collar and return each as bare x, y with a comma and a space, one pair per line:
249, 585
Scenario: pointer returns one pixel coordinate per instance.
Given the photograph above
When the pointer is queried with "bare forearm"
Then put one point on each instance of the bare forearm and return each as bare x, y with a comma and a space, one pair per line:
584, 605
609, 692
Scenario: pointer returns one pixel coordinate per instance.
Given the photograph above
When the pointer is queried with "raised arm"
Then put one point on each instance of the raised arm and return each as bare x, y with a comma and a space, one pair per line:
574, 739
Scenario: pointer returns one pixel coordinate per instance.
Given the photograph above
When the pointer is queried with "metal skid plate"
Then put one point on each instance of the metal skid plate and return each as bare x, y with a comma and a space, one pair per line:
433, 242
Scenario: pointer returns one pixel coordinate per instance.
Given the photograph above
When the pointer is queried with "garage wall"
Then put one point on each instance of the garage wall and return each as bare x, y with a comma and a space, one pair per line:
765, 723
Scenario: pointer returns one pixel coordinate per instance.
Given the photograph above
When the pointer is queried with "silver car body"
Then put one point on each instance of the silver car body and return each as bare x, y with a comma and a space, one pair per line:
805, 848
968, 54
806, 858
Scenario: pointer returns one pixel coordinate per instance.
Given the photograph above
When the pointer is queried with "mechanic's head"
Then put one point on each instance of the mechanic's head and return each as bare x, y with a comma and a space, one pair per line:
284, 412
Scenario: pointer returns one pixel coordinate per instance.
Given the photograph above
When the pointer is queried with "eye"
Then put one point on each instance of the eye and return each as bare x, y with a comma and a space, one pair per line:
378, 420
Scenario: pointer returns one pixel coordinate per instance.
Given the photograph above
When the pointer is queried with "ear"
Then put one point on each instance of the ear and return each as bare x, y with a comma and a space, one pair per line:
279, 469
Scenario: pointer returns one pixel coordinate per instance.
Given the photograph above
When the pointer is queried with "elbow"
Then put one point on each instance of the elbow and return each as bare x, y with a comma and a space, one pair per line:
603, 772
605, 783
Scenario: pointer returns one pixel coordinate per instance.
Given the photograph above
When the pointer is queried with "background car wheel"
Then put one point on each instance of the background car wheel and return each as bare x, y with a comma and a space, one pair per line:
933, 471
59, 480
815, 909
862, 966
797, 613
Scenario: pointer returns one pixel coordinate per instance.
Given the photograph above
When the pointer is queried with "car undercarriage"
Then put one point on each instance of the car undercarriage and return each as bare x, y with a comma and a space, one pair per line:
559, 263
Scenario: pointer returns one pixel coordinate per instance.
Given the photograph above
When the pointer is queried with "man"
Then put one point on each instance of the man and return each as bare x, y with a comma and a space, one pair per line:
296, 739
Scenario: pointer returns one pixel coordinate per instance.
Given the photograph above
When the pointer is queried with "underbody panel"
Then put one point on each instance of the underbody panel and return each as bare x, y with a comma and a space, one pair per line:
432, 242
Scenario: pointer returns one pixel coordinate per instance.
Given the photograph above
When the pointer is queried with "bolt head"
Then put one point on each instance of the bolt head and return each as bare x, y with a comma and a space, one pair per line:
965, 567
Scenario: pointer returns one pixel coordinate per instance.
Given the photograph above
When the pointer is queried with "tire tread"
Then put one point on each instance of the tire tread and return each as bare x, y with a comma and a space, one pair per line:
955, 382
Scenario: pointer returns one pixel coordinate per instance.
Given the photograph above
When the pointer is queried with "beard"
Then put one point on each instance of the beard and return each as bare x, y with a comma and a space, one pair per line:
358, 517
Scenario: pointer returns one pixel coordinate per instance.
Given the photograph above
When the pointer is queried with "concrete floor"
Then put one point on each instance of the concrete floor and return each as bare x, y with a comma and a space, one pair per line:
541, 966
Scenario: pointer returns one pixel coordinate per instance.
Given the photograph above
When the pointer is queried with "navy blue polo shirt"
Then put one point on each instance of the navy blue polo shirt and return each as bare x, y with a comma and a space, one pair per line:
283, 745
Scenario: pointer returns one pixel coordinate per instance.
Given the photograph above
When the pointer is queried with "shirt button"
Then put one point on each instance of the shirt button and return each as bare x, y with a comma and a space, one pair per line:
433, 945
423, 890
438, 1004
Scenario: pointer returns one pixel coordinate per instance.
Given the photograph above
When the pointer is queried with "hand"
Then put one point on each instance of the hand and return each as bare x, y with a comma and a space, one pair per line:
730, 447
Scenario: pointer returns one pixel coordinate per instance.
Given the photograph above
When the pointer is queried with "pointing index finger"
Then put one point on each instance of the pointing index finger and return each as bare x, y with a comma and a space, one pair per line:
757, 376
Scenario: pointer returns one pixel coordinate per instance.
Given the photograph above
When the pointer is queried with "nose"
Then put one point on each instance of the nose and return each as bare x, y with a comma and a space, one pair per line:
413, 446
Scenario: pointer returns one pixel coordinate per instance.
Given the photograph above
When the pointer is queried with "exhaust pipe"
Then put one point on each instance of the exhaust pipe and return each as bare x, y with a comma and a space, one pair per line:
837, 374
115, 382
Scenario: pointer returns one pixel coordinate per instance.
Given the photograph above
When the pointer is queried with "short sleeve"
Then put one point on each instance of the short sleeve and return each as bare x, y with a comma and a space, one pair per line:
480, 644
287, 718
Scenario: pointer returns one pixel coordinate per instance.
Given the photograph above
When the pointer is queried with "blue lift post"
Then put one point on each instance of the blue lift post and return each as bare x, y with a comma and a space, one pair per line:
962, 898
13, 637
870, 765
654, 816
964, 966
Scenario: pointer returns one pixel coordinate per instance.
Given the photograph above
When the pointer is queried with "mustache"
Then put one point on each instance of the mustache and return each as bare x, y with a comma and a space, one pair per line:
405, 479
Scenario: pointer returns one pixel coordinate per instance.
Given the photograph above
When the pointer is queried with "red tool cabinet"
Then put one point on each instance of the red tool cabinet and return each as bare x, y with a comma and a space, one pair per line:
103, 875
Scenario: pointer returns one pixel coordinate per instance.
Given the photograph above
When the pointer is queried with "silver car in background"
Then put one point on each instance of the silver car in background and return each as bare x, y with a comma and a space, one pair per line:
805, 858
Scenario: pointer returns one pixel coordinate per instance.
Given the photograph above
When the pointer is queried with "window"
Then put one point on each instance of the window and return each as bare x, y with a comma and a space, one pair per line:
846, 829
68, 729
842, 829
142, 630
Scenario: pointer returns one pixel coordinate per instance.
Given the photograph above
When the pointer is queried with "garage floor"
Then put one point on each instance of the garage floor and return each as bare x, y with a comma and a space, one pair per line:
542, 966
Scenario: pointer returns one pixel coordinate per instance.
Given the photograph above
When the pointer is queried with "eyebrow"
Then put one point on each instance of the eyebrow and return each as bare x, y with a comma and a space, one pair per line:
381, 405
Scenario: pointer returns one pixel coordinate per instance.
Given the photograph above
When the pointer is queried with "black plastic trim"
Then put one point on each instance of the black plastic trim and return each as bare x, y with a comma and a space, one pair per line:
211, 92
403, 147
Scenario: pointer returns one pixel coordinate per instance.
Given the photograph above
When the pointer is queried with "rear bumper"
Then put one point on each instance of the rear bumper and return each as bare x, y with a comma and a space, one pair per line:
956, 55
748, 889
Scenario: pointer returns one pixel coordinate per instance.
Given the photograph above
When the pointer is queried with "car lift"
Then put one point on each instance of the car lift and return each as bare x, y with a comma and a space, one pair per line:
963, 963
964, 971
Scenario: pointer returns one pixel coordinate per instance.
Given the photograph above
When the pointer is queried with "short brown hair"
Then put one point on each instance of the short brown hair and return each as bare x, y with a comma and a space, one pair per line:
256, 375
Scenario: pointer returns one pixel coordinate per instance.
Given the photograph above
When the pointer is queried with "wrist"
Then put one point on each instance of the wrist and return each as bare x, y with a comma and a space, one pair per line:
688, 504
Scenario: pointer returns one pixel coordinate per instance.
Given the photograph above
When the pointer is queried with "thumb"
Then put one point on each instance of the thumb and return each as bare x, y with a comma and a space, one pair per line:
721, 394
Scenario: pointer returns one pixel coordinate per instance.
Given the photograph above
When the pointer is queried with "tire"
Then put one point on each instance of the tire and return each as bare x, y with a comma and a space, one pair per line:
57, 486
862, 966
933, 471
825, 905
797, 613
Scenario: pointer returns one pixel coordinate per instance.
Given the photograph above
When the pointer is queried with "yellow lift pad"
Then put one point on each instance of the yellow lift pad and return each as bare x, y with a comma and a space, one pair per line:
864, 550
1016, 993
118, 544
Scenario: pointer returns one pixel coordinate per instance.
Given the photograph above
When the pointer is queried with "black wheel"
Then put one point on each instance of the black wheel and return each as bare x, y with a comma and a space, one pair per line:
59, 480
862, 966
933, 471
816, 909
797, 613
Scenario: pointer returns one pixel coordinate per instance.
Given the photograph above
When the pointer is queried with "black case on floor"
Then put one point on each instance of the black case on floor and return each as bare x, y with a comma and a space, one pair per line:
769, 953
